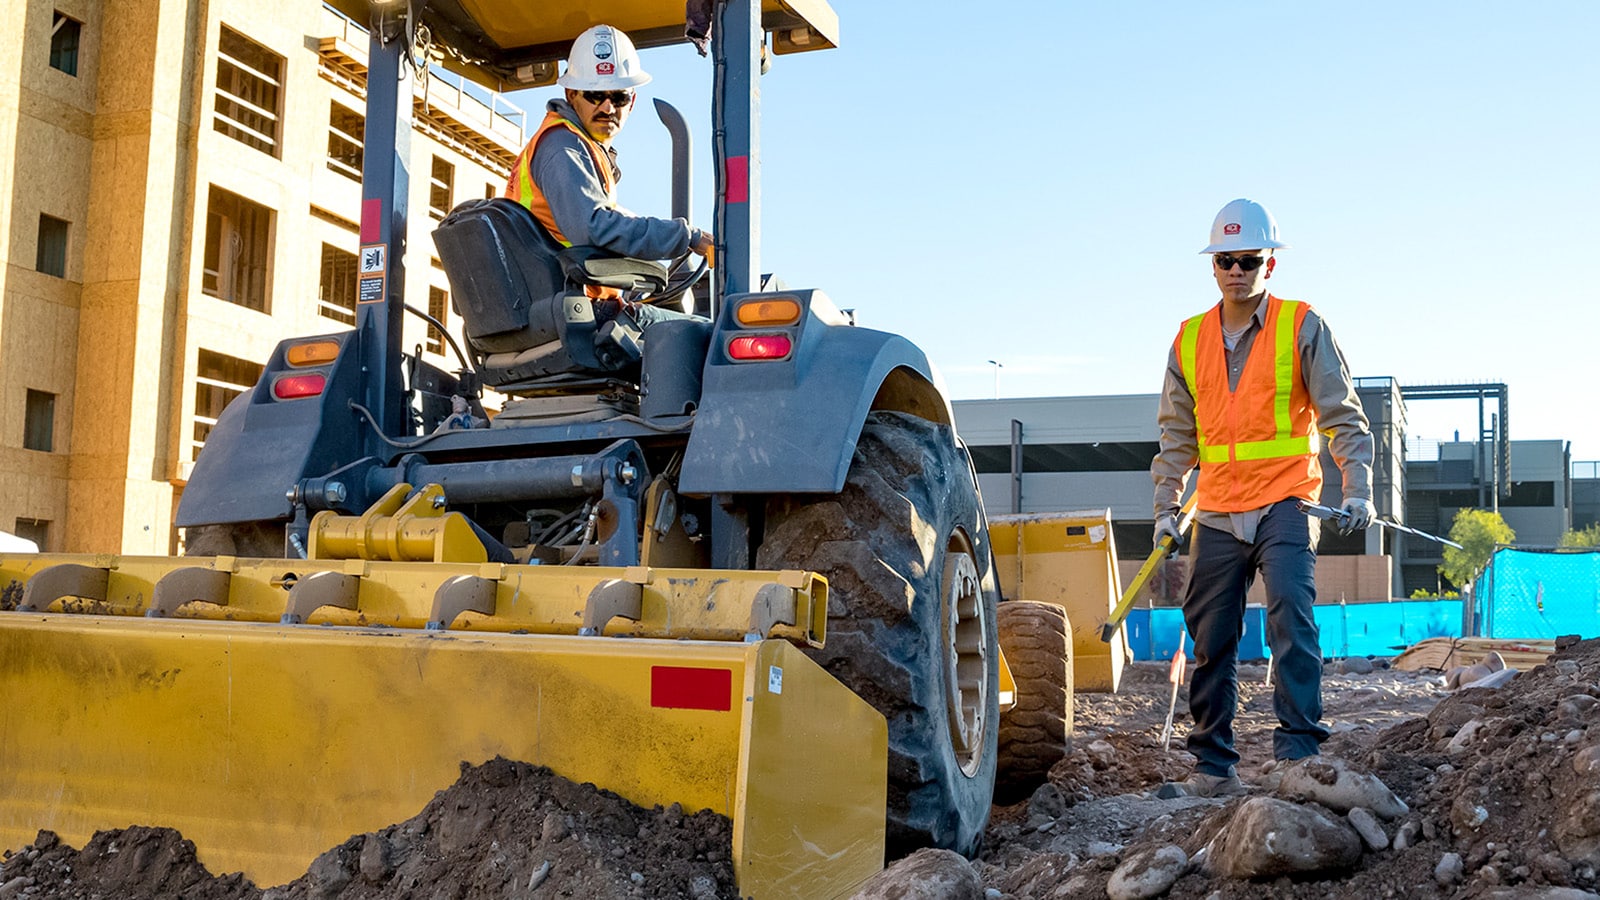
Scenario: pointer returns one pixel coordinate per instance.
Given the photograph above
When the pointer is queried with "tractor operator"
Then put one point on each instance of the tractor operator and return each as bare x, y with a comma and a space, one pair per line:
1250, 384
567, 174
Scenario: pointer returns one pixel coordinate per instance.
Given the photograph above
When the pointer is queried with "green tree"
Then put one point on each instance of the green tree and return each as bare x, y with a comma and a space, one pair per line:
1477, 531
1582, 537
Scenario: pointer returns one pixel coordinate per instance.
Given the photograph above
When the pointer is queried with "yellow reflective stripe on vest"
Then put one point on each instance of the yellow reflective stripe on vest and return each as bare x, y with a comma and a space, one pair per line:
525, 179
1284, 366
1289, 446
1186, 362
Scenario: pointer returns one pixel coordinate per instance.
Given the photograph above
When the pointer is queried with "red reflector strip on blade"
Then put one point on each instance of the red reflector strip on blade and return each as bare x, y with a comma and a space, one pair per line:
297, 386
760, 346
679, 687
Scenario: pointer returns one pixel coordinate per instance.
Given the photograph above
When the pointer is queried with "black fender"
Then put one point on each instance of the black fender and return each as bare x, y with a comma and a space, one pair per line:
790, 425
262, 446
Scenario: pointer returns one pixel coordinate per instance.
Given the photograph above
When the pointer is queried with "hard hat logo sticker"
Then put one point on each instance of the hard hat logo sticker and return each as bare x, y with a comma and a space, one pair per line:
602, 50
604, 68
1231, 228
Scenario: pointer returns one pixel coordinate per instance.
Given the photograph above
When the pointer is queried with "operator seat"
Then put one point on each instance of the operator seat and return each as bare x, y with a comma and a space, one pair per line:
521, 296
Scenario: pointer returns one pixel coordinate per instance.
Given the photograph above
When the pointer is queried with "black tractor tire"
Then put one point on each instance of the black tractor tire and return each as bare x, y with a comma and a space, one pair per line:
257, 540
1035, 733
911, 606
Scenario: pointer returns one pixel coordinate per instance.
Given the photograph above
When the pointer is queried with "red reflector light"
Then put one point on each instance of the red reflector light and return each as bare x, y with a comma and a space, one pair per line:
760, 346
297, 386
679, 687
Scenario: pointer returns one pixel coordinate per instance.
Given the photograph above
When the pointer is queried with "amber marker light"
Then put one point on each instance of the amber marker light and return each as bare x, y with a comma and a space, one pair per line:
295, 387
315, 353
763, 313
760, 347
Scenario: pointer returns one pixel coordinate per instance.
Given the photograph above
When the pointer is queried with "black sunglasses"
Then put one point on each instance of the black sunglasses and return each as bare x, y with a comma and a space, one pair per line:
1246, 263
619, 99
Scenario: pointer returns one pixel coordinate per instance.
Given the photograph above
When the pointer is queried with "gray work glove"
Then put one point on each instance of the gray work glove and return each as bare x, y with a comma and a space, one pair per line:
1356, 514
1167, 524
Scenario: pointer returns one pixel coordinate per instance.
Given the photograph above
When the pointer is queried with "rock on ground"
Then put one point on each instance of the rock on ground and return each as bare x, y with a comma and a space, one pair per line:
1339, 786
1366, 825
925, 875
1147, 873
1267, 838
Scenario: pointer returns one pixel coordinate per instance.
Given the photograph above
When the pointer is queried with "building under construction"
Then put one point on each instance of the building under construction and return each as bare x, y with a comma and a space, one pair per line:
184, 192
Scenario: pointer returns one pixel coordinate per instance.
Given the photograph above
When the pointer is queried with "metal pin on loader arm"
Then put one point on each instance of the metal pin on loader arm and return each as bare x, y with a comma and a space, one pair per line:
1164, 548
1339, 515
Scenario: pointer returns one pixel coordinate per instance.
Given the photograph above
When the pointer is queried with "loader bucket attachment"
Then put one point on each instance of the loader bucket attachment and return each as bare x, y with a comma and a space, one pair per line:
1068, 559
267, 743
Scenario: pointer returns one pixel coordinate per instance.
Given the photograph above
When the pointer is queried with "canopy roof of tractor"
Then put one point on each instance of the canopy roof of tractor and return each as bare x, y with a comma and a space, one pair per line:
513, 44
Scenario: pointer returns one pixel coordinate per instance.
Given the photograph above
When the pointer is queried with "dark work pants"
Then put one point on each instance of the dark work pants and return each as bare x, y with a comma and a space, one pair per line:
1223, 568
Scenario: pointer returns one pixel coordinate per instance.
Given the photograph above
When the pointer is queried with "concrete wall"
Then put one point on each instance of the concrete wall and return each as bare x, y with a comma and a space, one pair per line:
127, 153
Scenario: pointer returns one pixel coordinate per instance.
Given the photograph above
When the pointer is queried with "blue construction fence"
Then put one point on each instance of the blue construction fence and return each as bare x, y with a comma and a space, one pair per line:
1531, 593
1347, 629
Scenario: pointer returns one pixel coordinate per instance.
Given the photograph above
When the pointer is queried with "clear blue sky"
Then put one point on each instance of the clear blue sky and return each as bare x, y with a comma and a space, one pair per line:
1031, 182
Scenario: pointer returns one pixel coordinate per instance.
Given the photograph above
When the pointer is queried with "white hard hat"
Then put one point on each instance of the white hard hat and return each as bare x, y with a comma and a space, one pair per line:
603, 59
1244, 225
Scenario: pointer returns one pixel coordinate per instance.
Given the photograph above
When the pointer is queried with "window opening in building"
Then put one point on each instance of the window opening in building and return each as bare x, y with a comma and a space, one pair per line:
490, 191
52, 257
39, 421
36, 530
237, 251
441, 188
336, 294
439, 308
346, 132
218, 380
248, 91
64, 33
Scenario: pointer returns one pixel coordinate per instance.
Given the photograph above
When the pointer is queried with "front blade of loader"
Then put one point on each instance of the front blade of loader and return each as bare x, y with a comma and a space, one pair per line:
267, 744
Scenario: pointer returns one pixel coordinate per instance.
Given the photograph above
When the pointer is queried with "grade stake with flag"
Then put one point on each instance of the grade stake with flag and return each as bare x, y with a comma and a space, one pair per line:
1174, 675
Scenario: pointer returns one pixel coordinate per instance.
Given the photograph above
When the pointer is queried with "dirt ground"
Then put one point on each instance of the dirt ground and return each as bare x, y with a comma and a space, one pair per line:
1507, 778
1519, 802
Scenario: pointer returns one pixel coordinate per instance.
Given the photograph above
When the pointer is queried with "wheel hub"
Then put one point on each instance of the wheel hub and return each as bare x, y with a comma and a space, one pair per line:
965, 628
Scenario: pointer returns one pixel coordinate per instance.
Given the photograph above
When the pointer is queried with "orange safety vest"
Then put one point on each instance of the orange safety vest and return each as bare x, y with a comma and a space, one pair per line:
522, 187
1257, 443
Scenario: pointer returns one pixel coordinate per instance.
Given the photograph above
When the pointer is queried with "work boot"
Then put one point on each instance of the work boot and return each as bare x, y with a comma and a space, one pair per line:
1202, 785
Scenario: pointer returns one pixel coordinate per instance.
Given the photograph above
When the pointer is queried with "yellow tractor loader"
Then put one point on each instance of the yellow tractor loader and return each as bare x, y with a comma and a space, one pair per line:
739, 563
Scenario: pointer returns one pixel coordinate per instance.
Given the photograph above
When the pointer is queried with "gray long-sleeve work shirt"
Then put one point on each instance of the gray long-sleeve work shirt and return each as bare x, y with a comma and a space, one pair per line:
565, 172
1333, 397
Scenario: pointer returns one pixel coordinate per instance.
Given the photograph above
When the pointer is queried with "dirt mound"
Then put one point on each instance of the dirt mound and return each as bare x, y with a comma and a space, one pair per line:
1503, 781
503, 829
130, 864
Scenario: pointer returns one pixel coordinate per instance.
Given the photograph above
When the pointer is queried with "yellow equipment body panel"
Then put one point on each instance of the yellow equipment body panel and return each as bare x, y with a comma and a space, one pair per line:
536, 24
1069, 559
267, 744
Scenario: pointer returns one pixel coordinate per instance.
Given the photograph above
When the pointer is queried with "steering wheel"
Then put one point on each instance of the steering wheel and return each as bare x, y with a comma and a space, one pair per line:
678, 281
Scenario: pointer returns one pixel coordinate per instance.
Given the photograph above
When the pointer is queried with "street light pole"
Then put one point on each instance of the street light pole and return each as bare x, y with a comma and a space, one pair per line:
997, 368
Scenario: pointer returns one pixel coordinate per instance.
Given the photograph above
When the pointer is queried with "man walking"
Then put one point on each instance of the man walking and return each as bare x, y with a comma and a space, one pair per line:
1250, 384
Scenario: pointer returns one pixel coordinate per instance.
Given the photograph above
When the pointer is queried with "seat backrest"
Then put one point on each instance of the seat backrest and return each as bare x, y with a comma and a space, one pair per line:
520, 295
501, 265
